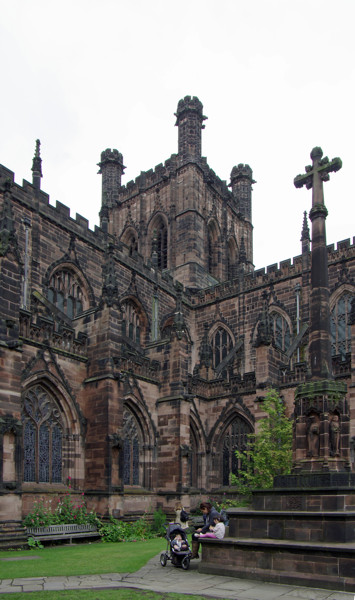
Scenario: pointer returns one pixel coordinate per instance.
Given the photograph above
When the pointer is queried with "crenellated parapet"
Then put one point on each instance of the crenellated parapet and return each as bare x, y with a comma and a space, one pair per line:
58, 214
161, 174
41, 333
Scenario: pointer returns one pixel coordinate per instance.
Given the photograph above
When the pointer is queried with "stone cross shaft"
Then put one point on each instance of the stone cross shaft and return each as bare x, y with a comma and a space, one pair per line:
319, 338
316, 174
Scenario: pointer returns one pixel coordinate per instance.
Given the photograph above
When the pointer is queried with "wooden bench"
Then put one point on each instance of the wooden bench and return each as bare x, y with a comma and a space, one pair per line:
63, 532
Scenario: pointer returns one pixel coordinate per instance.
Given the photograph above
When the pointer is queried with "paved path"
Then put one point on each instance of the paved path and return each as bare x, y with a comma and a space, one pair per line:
171, 579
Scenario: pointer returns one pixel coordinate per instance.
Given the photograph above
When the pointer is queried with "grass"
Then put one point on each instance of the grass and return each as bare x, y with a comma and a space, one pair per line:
120, 594
86, 559
81, 559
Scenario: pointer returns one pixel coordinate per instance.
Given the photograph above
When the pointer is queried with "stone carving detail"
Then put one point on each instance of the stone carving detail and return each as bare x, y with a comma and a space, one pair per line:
334, 435
313, 435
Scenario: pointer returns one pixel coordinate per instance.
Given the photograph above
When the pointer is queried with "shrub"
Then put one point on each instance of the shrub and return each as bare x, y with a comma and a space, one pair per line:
269, 451
159, 519
65, 511
119, 531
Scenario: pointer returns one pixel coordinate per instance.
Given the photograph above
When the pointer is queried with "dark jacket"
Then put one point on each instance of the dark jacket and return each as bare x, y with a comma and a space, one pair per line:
209, 519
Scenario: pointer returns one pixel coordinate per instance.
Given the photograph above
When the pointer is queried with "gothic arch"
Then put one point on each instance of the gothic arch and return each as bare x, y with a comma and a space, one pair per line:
138, 445
197, 456
340, 310
232, 258
129, 237
221, 340
158, 239
345, 288
52, 436
230, 434
68, 289
281, 327
213, 248
135, 324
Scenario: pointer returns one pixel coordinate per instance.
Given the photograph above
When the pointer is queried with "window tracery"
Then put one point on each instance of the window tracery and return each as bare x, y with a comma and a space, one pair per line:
131, 322
194, 460
65, 291
43, 437
131, 449
162, 246
221, 344
235, 438
340, 329
280, 331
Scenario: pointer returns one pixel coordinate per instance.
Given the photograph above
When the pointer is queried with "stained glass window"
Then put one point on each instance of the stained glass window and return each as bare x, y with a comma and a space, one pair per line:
340, 325
194, 460
221, 345
131, 322
281, 331
131, 449
66, 292
43, 437
235, 438
162, 246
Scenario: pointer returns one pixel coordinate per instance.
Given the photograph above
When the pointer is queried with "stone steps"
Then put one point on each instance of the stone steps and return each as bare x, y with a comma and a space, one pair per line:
12, 535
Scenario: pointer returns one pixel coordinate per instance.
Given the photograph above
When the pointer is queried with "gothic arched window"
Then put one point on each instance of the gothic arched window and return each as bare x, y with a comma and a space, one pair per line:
235, 438
132, 246
231, 259
131, 448
221, 343
131, 323
280, 331
42, 437
194, 460
130, 240
212, 250
340, 325
162, 246
66, 292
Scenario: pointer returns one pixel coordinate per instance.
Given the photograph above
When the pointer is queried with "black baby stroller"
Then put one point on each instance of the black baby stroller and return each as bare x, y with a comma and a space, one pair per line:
179, 558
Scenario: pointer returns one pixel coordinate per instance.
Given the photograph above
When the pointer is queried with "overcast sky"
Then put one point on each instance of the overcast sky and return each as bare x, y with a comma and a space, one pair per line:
276, 78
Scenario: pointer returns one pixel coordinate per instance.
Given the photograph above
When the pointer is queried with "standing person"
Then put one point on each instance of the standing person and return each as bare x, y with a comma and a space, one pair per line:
215, 531
178, 509
209, 514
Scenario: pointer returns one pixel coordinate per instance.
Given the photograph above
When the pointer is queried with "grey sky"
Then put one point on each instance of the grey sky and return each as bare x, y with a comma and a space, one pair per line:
276, 78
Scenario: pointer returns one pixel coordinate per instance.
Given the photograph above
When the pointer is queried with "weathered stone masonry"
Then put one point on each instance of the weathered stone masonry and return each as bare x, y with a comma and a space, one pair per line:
134, 358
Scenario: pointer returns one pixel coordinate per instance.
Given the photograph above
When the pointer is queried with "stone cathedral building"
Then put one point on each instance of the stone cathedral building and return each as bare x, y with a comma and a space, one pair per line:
134, 358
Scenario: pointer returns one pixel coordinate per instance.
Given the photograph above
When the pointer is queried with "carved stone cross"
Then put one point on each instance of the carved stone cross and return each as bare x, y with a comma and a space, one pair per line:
316, 174
319, 337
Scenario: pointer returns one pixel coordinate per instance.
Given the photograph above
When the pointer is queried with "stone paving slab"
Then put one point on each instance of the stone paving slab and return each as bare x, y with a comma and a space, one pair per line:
171, 579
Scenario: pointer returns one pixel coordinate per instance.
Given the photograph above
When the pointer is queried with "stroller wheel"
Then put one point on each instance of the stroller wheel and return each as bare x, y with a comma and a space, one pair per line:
185, 563
163, 559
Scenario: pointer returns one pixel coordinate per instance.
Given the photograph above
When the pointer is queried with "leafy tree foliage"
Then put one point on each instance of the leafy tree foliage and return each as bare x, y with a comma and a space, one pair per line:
269, 451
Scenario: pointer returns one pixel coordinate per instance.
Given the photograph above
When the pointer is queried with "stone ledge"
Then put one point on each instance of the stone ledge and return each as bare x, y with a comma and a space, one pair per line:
324, 565
284, 544
289, 578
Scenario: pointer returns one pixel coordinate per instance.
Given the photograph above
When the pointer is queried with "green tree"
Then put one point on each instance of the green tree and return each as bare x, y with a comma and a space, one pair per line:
269, 451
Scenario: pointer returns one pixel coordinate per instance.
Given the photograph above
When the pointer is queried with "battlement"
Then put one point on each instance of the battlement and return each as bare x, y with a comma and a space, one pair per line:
60, 213
189, 104
340, 247
164, 171
260, 278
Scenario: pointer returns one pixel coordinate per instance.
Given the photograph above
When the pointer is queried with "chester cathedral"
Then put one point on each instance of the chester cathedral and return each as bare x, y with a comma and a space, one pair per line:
134, 358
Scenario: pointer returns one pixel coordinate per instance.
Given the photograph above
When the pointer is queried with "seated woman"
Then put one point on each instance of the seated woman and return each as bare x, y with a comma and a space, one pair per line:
215, 531
209, 514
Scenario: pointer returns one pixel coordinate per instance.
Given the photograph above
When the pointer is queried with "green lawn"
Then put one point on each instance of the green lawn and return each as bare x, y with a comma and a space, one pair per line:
81, 559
